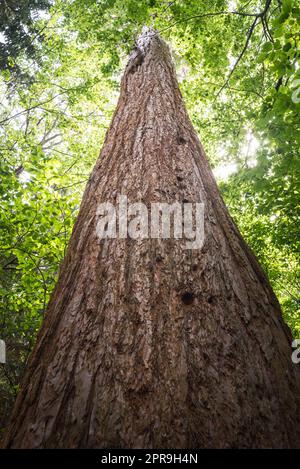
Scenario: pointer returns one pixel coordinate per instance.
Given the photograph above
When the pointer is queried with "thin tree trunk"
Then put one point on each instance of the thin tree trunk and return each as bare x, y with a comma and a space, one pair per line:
146, 343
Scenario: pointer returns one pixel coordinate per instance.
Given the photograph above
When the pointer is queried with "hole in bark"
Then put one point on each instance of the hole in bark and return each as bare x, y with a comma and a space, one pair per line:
179, 178
195, 267
185, 201
210, 300
181, 140
188, 298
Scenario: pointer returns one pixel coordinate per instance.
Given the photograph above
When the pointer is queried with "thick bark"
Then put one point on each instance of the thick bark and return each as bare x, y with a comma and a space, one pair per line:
146, 343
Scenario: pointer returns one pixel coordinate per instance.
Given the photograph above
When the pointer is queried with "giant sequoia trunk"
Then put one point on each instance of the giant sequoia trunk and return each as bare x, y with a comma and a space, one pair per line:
146, 343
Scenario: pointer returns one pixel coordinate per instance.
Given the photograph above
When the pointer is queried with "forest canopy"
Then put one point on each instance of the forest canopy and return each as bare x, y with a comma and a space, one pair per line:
237, 63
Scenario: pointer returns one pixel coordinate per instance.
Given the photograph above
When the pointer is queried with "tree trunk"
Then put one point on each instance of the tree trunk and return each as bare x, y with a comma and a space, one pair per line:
146, 343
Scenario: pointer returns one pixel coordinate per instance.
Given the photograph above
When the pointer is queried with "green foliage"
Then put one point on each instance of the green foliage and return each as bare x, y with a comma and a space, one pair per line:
241, 101
21, 33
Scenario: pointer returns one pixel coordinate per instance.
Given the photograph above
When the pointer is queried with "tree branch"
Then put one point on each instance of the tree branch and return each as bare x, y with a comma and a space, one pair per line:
206, 15
31, 108
258, 17
252, 27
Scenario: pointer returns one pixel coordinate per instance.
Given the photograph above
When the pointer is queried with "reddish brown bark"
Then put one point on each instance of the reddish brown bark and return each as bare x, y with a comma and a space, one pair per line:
145, 343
